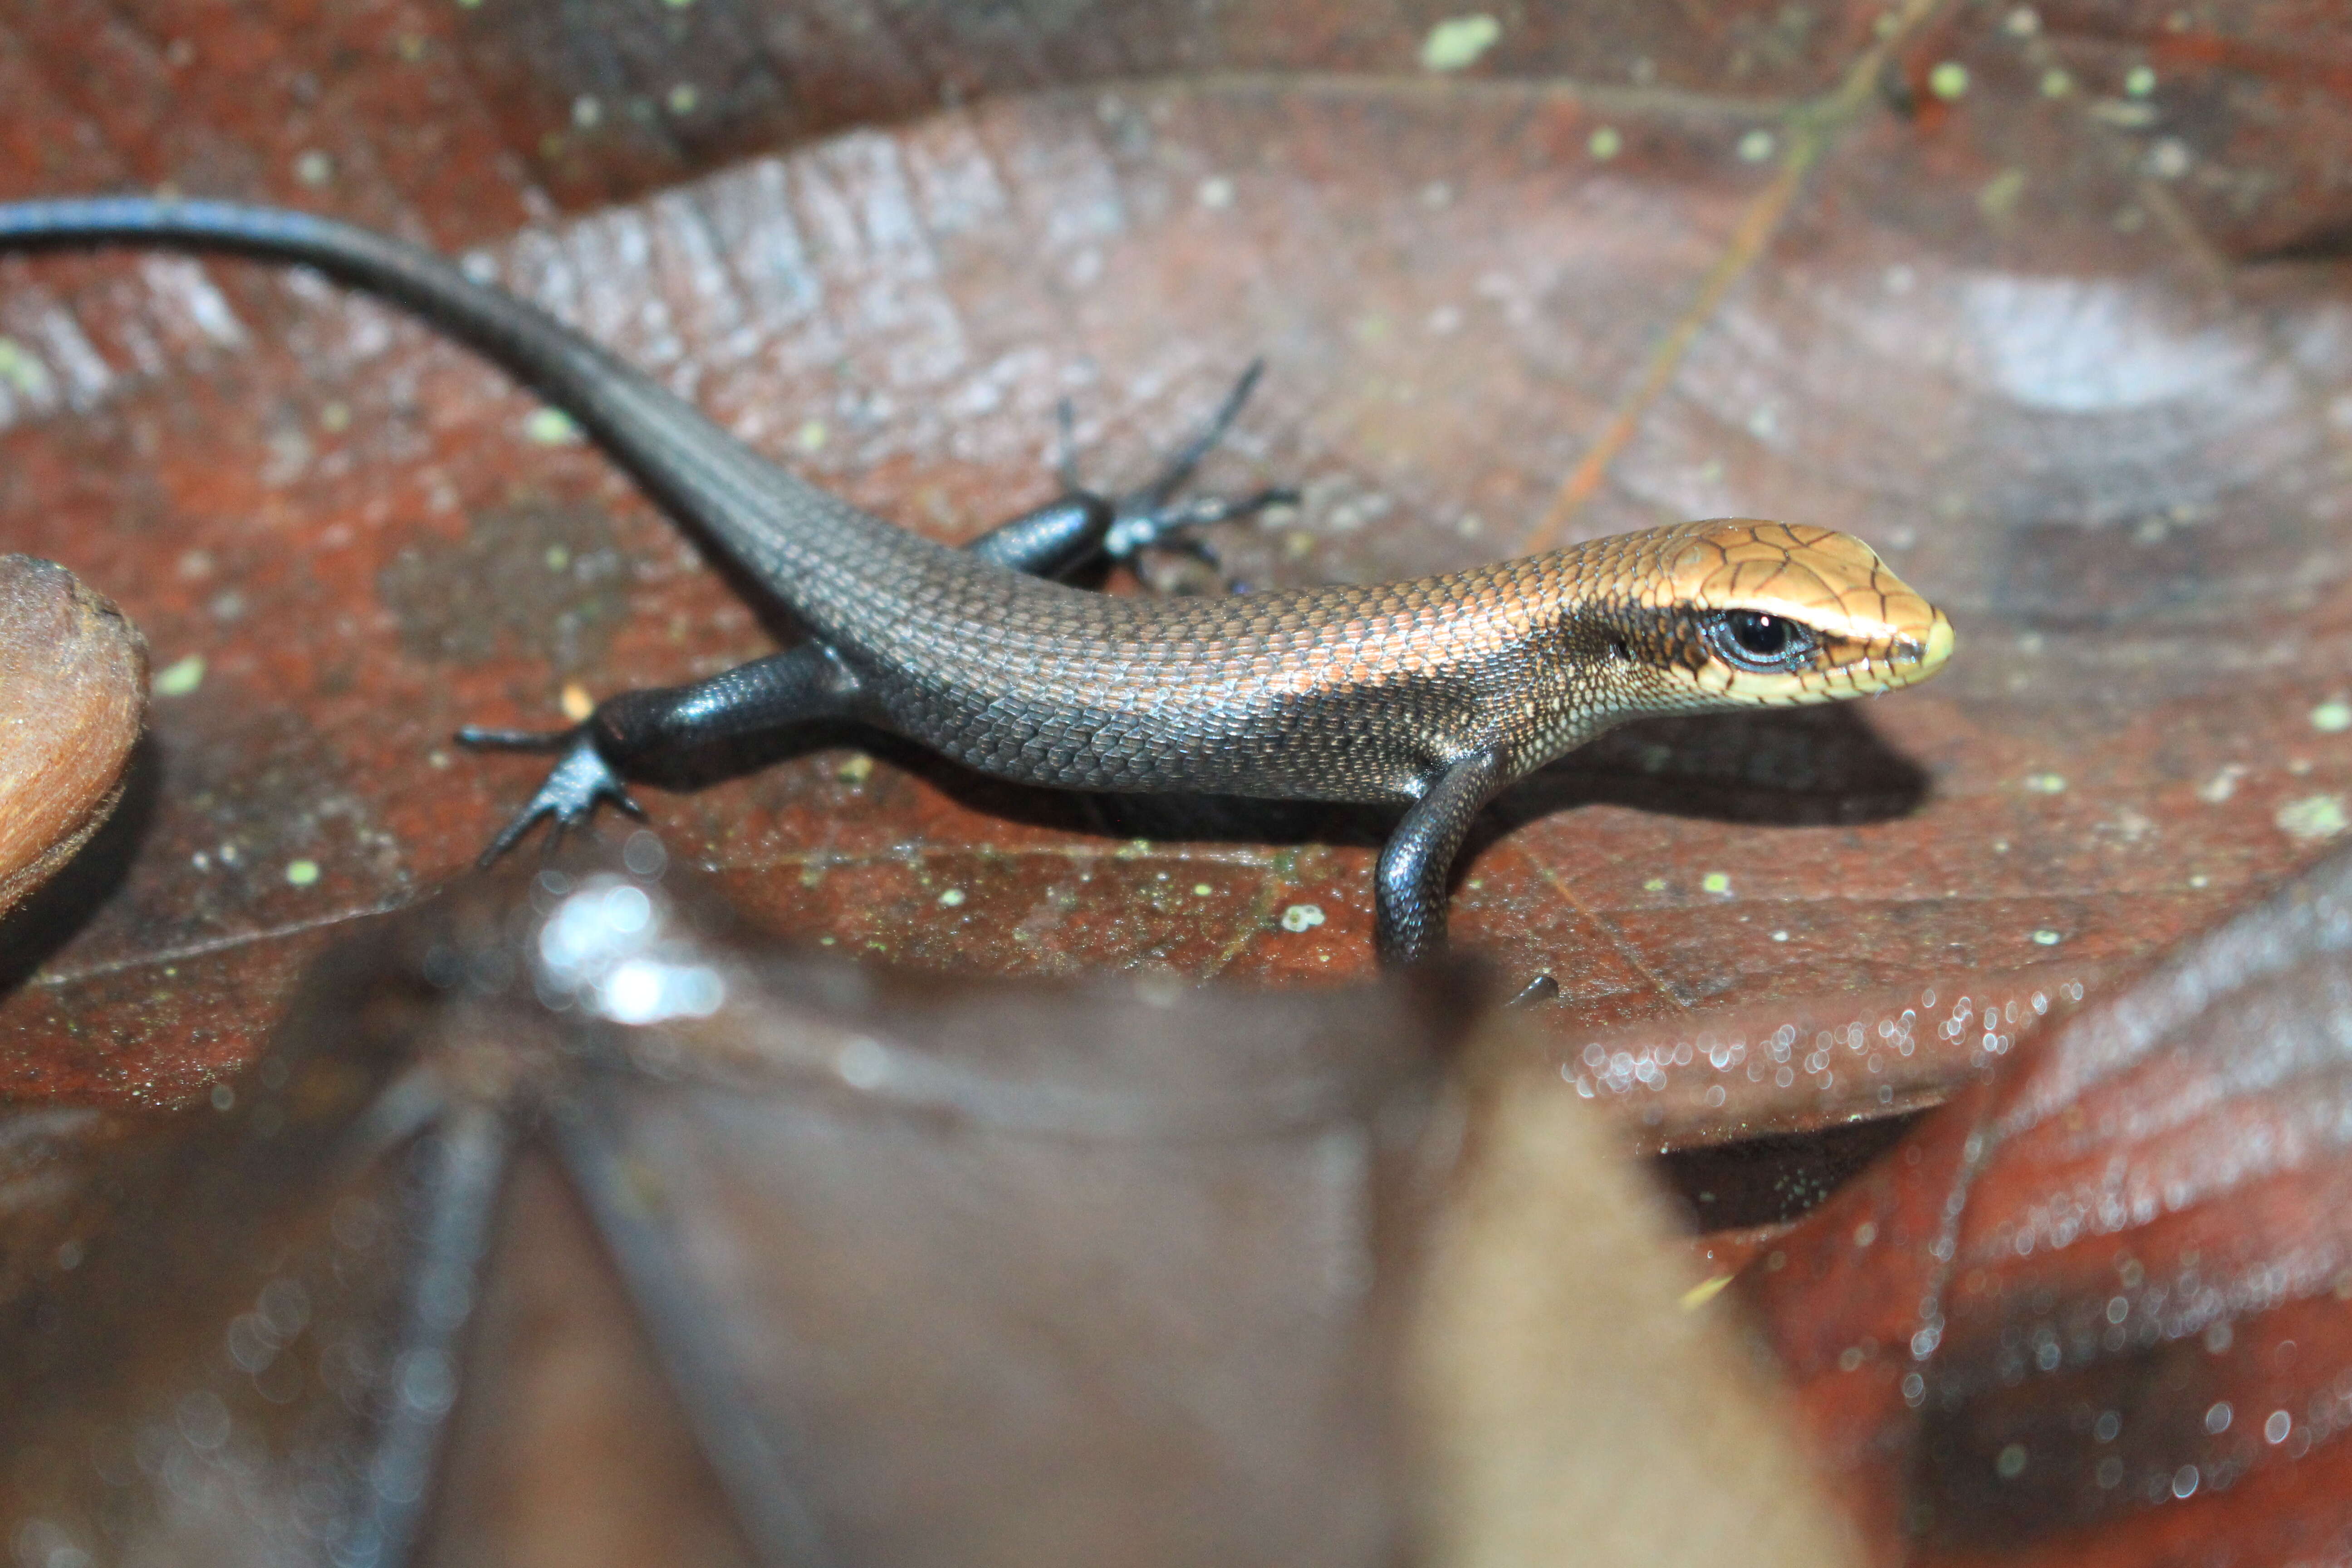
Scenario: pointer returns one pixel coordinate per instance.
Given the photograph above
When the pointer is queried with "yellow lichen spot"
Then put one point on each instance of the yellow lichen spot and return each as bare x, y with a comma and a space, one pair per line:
2046, 784
1949, 81
576, 703
1716, 882
1456, 43
301, 873
856, 769
952, 898
550, 427
1756, 146
1998, 197
2332, 717
2314, 818
180, 678
25, 375
1606, 144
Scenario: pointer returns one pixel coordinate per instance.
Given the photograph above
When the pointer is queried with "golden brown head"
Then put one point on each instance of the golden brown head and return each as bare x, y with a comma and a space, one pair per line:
1777, 614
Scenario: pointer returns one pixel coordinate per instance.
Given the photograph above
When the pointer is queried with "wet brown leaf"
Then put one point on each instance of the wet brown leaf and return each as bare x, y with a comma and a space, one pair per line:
787, 1261
932, 1272
2093, 1311
1890, 279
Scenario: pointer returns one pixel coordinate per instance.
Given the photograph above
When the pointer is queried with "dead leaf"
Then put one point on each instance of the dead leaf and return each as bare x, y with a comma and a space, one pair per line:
1907, 282
929, 1272
2093, 1311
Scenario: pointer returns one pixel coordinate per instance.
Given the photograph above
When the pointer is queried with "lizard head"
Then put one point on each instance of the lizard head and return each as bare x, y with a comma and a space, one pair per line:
1736, 612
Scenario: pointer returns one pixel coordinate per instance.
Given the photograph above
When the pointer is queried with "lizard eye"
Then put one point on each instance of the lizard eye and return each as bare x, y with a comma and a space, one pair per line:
1758, 643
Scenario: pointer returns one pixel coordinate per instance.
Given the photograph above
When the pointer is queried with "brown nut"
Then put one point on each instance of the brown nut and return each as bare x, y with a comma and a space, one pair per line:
73, 699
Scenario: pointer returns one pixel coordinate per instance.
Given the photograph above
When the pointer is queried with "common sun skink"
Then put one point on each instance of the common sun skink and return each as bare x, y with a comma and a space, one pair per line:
1429, 694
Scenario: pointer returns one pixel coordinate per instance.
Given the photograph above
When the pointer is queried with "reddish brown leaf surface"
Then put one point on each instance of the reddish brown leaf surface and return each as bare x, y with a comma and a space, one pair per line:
2095, 1311
2015, 327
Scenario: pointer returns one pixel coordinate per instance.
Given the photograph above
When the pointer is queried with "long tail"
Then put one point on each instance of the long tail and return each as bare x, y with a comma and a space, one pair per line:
773, 525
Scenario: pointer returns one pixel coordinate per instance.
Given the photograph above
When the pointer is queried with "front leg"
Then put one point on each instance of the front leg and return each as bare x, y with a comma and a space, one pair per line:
1408, 887
1417, 862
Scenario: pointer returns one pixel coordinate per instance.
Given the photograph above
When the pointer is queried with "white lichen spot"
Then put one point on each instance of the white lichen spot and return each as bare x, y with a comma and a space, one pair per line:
1302, 917
180, 678
812, 436
2056, 83
1756, 146
863, 1063
2223, 784
1456, 43
951, 899
2332, 717
314, 168
2022, 22
2139, 81
2046, 937
2314, 816
1216, 193
2169, 159
685, 97
2046, 784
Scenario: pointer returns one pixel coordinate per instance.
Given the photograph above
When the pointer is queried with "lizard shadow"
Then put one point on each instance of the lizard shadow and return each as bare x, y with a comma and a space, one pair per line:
1805, 767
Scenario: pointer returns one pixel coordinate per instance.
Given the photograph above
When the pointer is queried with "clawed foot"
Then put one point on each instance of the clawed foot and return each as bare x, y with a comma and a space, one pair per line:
573, 788
1149, 517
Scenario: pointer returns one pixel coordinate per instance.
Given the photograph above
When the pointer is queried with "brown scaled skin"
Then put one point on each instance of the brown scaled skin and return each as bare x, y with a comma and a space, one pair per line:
1432, 693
